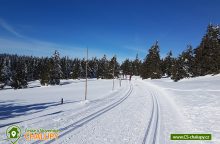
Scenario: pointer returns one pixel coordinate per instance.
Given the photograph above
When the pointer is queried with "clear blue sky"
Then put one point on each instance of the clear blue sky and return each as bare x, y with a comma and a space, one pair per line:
38, 27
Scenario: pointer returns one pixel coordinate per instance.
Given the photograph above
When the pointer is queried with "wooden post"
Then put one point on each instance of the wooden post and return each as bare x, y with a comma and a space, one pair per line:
113, 73
86, 73
120, 77
120, 81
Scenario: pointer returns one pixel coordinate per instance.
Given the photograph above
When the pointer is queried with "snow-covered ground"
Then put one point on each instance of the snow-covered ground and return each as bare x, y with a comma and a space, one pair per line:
140, 111
196, 100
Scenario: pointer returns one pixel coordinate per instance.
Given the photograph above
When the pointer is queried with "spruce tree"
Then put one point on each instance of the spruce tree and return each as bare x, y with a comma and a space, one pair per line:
103, 65
1, 78
126, 67
6, 72
55, 71
151, 65
207, 53
83, 68
19, 74
45, 71
167, 64
76, 69
187, 61
136, 64
177, 70
113, 67
94, 66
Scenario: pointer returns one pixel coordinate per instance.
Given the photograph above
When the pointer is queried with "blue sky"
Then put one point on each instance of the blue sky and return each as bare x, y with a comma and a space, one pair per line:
120, 27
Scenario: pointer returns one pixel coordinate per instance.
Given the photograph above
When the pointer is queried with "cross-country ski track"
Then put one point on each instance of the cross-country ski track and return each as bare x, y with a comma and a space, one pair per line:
145, 132
138, 112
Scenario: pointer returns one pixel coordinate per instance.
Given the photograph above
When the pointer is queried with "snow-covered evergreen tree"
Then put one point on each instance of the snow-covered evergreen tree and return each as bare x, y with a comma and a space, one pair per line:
187, 61
19, 74
45, 71
55, 71
167, 64
151, 67
76, 69
207, 55
126, 67
6, 72
136, 64
177, 70
113, 67
103, 65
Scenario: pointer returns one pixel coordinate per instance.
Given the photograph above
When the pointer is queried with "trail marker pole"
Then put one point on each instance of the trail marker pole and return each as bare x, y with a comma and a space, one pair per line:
86, 73
113, 73
120, 77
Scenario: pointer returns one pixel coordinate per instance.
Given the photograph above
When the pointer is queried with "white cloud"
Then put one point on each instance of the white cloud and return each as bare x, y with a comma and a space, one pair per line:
9, 28
23, 45
36, 47
42, 48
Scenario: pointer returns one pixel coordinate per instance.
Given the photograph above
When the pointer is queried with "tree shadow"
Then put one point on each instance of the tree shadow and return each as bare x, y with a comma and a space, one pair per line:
10, 110
8, 124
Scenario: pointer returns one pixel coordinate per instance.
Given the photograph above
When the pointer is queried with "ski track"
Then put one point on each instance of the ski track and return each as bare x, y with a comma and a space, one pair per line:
68, 129
94, 105
151, 133
139, 112
139, 132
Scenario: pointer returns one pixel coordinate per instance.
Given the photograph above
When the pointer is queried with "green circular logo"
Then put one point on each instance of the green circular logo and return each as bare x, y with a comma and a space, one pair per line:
13, 133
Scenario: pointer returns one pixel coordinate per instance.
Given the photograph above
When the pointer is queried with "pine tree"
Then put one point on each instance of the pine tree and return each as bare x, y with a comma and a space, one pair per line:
36, 69
103, 65
83, 68
151, 65
113, 67
1, 78
66, 67
183, 65
45, 71
76, 69
93, 68
126, 67
167, 64
19, 74
55, 71
177, 70
207, 54
6, 72
187, 61
136, 64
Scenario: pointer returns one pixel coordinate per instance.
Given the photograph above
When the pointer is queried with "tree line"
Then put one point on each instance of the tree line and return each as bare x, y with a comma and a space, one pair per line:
16, 71
203, 60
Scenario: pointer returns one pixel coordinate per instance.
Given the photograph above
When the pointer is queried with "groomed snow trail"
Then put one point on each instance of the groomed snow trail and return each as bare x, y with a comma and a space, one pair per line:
70, 128
166, 118
151, 134
139, 112
129, 116
122, 124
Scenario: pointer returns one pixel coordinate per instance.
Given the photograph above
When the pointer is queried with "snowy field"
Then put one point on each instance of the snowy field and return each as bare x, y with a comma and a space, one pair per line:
140, 111
197, 101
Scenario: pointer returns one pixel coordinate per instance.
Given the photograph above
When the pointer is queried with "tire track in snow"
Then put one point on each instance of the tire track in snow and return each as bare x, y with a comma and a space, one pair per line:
150, 136
90, 117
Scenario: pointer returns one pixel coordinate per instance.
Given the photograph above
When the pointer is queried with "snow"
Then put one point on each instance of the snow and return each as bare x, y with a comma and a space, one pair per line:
140, 111
197, 100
